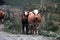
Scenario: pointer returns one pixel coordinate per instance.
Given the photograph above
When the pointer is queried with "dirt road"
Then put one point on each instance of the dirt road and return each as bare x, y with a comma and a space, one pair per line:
8, 36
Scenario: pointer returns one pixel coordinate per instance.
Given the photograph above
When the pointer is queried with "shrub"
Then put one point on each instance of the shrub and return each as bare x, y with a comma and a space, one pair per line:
51, 27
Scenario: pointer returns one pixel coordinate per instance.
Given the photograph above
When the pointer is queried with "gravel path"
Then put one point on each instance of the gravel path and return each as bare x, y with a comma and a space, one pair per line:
8, 36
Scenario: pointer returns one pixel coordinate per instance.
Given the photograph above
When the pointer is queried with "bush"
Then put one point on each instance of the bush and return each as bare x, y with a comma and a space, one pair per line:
12, 27
51, 27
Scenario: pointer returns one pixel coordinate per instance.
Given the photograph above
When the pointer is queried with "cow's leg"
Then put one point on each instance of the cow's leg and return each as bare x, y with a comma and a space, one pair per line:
27, 29
31, 30
0, 21
23, 28
37, 30
34, 32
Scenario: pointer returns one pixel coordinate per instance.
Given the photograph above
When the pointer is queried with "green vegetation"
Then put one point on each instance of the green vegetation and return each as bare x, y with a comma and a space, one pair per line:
50, 28
12, 27
12, 23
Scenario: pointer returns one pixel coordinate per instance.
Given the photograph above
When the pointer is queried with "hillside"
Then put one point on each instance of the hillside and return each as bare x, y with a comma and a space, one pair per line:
21, 3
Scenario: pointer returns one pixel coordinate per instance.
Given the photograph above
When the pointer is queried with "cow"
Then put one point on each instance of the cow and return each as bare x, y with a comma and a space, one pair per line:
25, 22
34, 20
2, 14
31, 21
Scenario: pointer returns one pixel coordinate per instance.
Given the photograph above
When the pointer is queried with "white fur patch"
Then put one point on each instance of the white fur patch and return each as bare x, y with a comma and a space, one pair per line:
26, 13
35, 11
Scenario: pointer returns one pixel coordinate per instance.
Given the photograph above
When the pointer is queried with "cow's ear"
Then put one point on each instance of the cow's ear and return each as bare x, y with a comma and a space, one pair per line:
40, 11
28, 12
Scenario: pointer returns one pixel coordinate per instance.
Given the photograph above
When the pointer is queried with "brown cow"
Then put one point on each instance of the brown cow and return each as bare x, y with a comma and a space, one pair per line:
34, 20
1, 15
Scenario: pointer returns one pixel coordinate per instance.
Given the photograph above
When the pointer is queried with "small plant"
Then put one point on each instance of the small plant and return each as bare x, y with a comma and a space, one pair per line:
13, 27
51, 27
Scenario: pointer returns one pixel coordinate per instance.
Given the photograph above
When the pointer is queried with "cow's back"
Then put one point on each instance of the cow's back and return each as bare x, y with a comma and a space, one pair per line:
30, 17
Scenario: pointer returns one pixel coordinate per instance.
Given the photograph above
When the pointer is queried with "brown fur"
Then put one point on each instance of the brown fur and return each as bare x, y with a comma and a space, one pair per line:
1, 15
31, 18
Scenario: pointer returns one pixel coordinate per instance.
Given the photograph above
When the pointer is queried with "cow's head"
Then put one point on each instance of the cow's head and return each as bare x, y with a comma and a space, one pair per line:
2, 13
